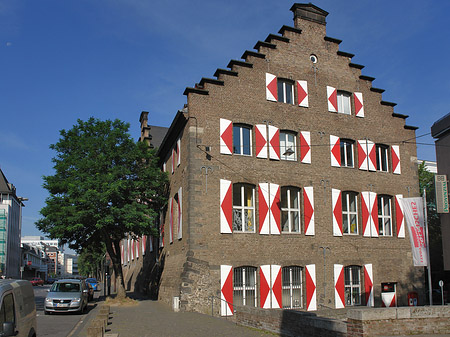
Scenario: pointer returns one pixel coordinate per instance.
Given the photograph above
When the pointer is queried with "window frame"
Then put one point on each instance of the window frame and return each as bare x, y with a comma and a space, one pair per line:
242, 208
382, 158
348, 213
381, 198
282, 97
242, 138
290, 209
283, 148
345, 143
350, 285
342, 95
291, 287
243, 272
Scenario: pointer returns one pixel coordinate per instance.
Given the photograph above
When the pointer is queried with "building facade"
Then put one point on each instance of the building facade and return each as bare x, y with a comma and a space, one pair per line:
286, 172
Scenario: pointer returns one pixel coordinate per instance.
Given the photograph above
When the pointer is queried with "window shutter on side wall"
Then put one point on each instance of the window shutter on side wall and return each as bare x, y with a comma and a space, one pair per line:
305, 147
261, 140
264, 217
171, 220
332, 99
271, 87
336, 201
399, 216
311, 289
368, 285
270, 286
264, 286
226, 136
369, 205
178, 151
173, 160
367, 155
269, 208
308, 207
226, 206
395, 159
274, 143
226, 290
335, 151
362, 154
359, 104
180, 214
372, 158
302, 93
339, 286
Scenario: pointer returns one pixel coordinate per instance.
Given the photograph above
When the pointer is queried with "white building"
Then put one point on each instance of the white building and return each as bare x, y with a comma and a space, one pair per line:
41, 242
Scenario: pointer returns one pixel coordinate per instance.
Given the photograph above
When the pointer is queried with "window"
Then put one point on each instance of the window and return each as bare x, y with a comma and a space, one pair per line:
349, 213
343, 101
242, 140
243, 208
352, 279
382, 157
291, 279
384, 215
288, 148
290, 209
244, 286
285, 91
346, 153
7, 311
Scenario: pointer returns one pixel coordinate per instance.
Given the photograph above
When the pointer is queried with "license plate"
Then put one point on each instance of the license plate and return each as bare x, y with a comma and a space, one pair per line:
61, 305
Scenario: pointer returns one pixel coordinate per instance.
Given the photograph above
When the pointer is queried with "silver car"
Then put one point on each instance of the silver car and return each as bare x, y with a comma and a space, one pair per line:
70, 295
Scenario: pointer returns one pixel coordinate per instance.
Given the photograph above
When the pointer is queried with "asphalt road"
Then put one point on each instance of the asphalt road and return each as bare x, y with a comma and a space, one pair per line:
60, 324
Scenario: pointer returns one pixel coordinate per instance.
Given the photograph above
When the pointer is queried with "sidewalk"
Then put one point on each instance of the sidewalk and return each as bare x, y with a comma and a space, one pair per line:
152, 318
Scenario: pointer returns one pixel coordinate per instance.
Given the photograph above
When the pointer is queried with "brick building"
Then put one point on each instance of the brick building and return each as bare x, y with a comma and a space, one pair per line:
285, 177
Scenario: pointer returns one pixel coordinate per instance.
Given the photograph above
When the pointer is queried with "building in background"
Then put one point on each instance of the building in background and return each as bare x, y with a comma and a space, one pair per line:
34, 263
440, 130
10, 228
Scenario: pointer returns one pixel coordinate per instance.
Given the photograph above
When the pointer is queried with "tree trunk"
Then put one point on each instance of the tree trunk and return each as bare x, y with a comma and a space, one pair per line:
113, 249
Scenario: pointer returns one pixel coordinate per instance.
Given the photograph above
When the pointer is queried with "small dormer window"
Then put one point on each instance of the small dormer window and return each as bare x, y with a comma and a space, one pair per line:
285, 91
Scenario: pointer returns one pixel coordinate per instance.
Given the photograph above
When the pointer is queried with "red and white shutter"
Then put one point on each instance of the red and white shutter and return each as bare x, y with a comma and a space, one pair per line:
305, 147
261, 140
274, 143
336, 200
335, 151
226, 290
171, 220
339, 286
226, 206
359, 104
264, 286
332, 99
388, 299
396, 159
275, 209
180, 214
362, 154
302, 93
372, 156
138, 245
400, 218
144, 244
173, 160
374, 215
128, 249
276, 287
311, 293
121, 252
178, 151
308, 206
226, 136
271, 87
368, 285
365, 210
264, 208
164, 167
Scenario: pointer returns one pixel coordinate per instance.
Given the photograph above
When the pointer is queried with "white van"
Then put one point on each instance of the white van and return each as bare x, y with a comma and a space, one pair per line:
18, 309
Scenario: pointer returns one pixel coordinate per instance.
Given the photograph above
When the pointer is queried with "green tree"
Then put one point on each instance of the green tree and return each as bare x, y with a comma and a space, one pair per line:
90, 260
105, 187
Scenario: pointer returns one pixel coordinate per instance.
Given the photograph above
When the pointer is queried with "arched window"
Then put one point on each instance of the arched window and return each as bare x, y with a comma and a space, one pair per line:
349, 212
291, 279
384, 215
290, 209
352, 279
285, 91
347, 153
244, 286
243, 208
288, 145
382, 157
242, 140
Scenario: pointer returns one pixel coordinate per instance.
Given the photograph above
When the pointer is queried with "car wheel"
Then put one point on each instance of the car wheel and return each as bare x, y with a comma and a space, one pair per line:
46, 312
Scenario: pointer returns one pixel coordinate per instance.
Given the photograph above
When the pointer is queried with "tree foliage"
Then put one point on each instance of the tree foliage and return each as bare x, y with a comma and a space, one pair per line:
90, 260
105, 186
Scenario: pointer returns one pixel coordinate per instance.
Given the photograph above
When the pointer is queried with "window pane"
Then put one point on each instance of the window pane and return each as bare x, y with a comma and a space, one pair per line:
237, 139
353, 225
237, 220
352, 199
295, 221
248, 195
294, 198
284, 198
246, 141
349, 148
345, 228
289, 98
237, 200
249, 221
280, 91
284, 221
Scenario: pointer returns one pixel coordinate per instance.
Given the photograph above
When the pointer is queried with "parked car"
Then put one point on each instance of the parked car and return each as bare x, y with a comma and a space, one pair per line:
36, 281
90, 291
50, 280
68, 295
17, 309
93, 282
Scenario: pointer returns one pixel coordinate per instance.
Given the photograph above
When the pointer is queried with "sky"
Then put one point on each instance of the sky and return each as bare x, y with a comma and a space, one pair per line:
66, 60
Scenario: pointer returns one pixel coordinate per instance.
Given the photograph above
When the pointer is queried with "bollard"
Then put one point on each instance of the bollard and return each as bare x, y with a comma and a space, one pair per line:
95, 331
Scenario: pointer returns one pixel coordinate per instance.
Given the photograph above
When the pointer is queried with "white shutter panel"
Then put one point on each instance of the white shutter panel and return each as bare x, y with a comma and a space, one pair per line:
368, 285
311, 288
226, 206
336, 200
399, 216
178, 151
366, 209
362, 154
302, 93
261, 140
339, 286
274, 143
359, 104
226, 136
335, 151
265, 288
171, 220
373, 214
371, 156
275, 210
395, 153
332, 99
226, 290
305, 147
275, 286
308, 209
271, 87
264, 208
180, 214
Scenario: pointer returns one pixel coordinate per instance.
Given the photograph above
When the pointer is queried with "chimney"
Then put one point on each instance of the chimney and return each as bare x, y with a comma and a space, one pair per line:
308, 12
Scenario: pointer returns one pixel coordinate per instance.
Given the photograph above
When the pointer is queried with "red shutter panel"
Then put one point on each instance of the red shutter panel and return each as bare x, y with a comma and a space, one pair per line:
261, 140
226, 206
264, 217
335, 150
274, 143
308, 206
302, 93
368, 285
305, 147
180, 214
336, 200
362, 154
399, 216
332, 99
311, 293
271, 87
359, 105
276, 287
275, 209
396, 159
226, 136
339, 286
226, 290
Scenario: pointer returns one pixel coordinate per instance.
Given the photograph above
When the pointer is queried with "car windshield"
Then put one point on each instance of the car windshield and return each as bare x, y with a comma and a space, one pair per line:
91, 280
65, 287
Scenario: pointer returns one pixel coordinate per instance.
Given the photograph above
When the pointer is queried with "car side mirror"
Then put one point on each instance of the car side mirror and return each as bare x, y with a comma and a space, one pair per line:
85, 291
8, 329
